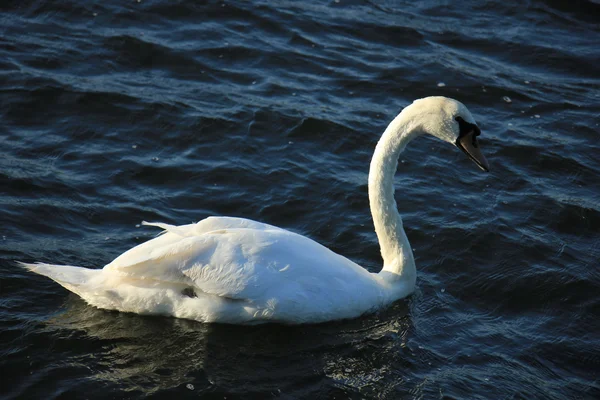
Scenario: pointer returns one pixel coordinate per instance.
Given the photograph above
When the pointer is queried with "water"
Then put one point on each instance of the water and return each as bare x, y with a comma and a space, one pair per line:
116, 112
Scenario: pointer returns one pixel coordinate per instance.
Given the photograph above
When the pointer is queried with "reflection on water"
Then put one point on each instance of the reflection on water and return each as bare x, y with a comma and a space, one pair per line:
150, 354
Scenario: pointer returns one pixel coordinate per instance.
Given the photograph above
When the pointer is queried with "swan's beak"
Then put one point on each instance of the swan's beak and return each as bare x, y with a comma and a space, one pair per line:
468, 144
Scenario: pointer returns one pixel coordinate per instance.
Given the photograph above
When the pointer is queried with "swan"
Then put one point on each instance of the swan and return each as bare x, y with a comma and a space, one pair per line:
239, 271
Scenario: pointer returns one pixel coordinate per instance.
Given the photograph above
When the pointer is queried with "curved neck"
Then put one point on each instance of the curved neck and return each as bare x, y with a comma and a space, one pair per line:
398, 260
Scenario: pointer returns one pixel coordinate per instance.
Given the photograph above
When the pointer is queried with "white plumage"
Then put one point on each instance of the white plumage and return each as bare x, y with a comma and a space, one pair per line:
235, 270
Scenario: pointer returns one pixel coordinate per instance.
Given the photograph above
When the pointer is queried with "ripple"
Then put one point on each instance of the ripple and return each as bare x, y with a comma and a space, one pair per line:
115, 113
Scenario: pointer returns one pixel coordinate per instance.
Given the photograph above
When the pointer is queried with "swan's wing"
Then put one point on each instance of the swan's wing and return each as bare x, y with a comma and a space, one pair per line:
173, 234
238, 263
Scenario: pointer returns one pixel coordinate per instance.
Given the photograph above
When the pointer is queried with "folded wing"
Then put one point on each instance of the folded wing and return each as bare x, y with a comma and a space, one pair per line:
227, 257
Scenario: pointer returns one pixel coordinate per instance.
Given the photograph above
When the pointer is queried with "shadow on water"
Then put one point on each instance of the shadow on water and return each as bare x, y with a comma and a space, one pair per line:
151, 355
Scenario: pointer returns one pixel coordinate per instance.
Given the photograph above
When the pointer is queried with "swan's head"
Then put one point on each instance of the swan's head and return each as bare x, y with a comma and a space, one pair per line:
450, 121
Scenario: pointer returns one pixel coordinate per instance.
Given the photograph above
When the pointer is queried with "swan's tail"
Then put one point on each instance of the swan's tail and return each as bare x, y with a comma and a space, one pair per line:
75, 279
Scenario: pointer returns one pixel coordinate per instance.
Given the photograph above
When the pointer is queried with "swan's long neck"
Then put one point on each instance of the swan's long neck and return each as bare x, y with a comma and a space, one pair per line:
398, 260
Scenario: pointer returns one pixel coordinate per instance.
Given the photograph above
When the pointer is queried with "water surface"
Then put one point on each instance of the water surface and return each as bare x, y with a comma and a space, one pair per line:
117, 112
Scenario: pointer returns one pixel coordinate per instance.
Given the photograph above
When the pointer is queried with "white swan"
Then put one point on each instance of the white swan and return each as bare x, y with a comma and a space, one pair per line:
238, 271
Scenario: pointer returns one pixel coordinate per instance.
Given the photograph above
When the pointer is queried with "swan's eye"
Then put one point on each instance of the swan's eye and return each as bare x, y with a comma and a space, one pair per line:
463, 126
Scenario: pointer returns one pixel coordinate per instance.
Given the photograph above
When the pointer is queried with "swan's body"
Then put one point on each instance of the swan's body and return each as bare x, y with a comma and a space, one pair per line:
235, 270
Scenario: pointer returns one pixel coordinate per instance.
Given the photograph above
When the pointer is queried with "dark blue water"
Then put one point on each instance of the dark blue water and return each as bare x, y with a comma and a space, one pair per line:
116, 112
